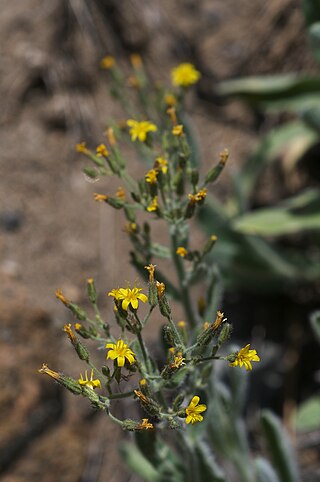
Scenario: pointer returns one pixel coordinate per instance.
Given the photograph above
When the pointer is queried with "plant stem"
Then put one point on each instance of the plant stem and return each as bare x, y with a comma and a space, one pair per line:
185, 296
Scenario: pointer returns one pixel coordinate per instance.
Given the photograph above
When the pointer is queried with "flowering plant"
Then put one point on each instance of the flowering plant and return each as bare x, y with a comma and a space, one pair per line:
172, 386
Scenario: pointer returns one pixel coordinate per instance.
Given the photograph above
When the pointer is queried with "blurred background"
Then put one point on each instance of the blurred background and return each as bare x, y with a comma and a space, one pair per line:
53, 235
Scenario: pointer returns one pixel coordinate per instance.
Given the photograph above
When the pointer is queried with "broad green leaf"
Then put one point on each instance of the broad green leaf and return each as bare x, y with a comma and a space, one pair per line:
138, 463
271, 88
283, 458
291, 139
300, 213
265, 471
308, 414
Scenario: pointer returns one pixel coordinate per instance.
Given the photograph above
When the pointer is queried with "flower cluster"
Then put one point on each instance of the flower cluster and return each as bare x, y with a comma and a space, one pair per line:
171, 189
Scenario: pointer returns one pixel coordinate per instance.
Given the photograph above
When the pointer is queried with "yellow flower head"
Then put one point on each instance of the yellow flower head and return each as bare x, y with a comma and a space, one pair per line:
107, 62
62, 298
81, 147
244, 358
145, 425
71, 335
45, 369
153, 206
139, 130
184, 75
136, 61
130, 228
205, 325
170, 100
178, 361
201, 195
151, 268
224, 156
128, 297
171, 111
181, 251
101, 150
177, 130
120, 352
110, 136
161, 287
181, 324
143, 382
161, 164
121, 193
194, 410
89, 383
219, 319
151, 176
100, 197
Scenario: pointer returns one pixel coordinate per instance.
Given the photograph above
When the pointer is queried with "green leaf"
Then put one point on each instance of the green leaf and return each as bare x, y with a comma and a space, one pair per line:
315, 324
271, 88
299, 213
210, 471
138, 463
308, 415
293, 138
314, 34
265, 471
283, 457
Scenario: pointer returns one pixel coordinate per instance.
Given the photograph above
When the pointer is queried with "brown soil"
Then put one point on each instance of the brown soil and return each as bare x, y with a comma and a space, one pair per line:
52, 233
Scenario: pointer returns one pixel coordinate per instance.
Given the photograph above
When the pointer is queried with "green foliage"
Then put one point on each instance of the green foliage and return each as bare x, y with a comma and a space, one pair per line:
315, 324
308, 415
283, 458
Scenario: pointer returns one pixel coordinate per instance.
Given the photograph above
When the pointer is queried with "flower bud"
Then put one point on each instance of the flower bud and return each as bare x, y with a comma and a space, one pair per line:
92, 293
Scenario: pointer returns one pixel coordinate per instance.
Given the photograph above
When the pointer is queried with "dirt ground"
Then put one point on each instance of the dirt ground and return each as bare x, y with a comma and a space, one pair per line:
52, 234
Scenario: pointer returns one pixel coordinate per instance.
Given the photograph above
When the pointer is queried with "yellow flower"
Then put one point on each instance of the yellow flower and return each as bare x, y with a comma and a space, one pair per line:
177, 130
45, 369
153, 206
120, 352
129, 296
143, 382
107, 62
181, 251
89, 383
178, 361
151, 176
139, 130
121, 193
224, 156
136, 61
62, 298
170, 100
171, 111
81, 147
100, 197
151, 268
130, 228
219, 319
201, 195
194, 410
181, 324
71, 335
160, 288
161, 164
244, 358
101, 150
145, 425
110, 136
184, 75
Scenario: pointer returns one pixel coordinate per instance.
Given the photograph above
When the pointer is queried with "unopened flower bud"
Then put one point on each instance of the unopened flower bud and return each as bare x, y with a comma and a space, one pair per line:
209, 245
92, 293
224, 334
215, 172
